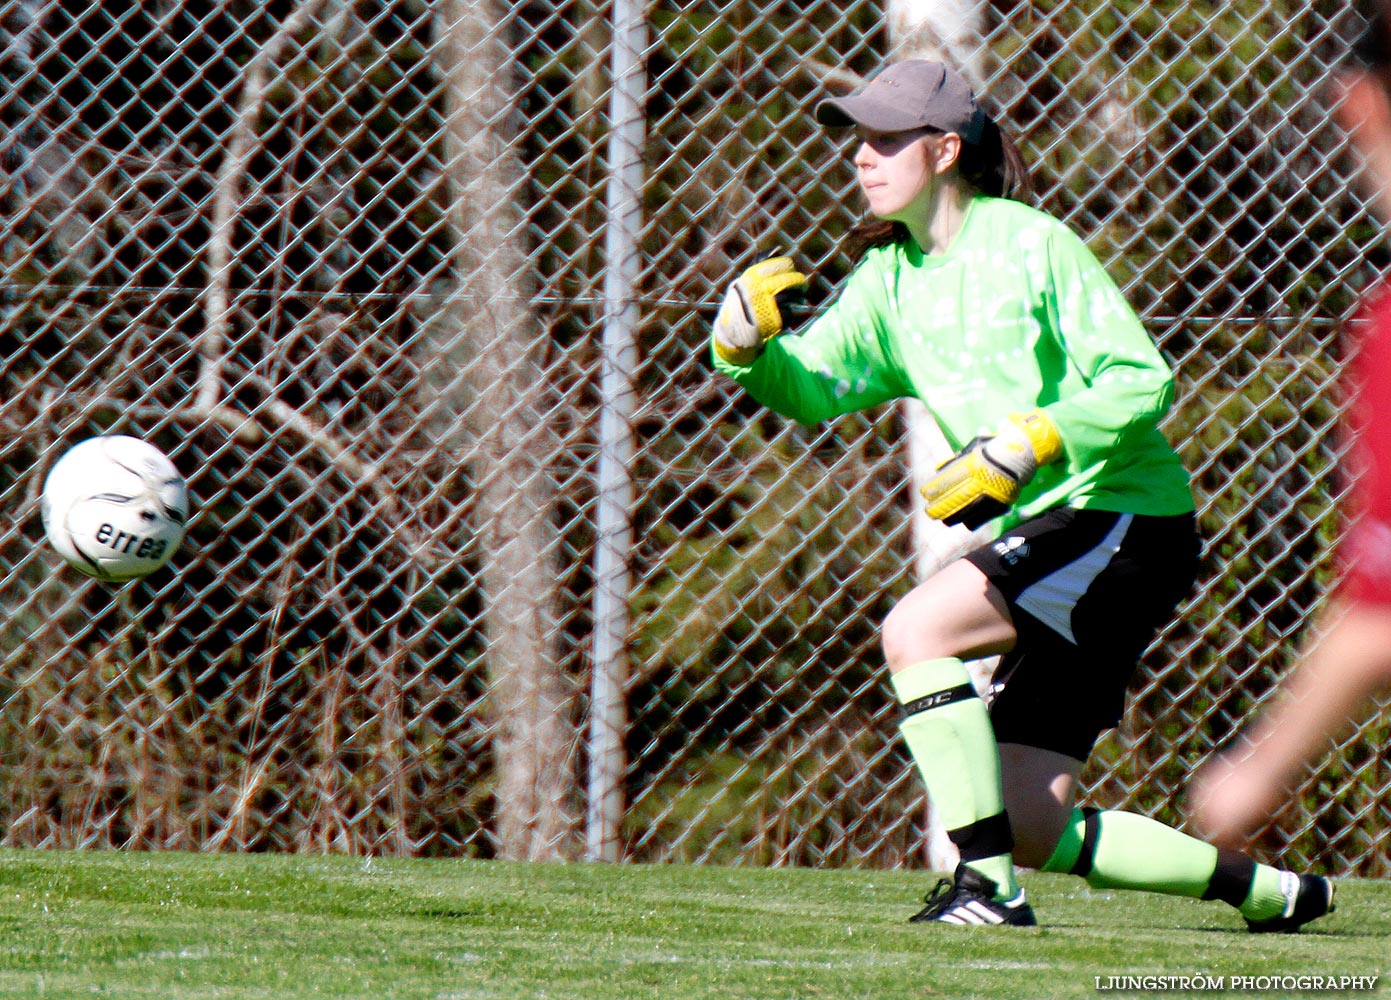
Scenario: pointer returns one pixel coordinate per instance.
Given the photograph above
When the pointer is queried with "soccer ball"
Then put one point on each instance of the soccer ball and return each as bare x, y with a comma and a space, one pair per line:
114, 507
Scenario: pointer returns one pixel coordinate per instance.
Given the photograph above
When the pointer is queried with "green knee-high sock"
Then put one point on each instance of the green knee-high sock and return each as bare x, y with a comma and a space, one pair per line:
1120, 850
948, 732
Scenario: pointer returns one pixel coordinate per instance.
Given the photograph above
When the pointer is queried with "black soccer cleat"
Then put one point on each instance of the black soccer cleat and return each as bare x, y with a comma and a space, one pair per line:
970, 899
1307, 897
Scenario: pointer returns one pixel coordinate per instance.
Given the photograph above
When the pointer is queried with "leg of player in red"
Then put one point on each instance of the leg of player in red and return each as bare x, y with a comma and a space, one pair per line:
1351, 658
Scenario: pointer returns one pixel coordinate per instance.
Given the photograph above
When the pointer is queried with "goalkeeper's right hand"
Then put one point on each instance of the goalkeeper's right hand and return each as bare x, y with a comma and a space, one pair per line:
749, 316
983, 480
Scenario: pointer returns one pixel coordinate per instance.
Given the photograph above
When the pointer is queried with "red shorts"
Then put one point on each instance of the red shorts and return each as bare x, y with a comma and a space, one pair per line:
1365, 557
1365, 552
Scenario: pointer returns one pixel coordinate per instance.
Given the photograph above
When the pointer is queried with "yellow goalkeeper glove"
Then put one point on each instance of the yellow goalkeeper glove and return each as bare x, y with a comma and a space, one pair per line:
982, 480
749, 316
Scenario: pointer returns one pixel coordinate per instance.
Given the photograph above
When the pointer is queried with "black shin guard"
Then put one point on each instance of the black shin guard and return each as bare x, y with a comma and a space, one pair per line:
1091, 832
985, 838
1231, 880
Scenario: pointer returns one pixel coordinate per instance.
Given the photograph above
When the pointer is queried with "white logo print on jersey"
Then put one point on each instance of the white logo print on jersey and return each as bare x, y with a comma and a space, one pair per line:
1012, 549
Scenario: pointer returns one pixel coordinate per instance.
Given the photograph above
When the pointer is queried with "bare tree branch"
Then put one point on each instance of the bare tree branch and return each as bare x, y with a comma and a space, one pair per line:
217, 311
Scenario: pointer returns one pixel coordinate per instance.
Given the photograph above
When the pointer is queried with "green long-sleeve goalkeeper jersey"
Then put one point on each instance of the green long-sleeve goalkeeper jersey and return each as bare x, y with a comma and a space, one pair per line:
1016, 314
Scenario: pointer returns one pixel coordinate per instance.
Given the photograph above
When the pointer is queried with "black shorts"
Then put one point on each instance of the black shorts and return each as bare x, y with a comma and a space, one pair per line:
1088, 590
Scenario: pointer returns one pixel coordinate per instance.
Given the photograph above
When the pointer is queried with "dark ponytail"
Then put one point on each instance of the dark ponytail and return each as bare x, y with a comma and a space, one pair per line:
993, 166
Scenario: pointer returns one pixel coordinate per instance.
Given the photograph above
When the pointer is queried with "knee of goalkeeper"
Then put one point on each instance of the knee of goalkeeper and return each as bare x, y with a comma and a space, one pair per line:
983, 480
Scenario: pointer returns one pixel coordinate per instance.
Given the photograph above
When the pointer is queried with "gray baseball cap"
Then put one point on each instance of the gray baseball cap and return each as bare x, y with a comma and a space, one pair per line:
913, 94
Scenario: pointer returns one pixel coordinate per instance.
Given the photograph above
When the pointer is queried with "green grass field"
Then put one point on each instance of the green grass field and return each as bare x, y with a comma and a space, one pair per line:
179, 926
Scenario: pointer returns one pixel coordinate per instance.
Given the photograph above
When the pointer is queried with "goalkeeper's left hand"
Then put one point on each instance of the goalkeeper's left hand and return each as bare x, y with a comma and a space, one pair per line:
982, 480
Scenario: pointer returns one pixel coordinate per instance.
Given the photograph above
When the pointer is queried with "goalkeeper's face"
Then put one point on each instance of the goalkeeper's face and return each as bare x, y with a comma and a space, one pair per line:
900, 172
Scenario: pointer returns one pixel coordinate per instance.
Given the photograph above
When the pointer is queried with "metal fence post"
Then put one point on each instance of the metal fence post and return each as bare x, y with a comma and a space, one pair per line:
613, 527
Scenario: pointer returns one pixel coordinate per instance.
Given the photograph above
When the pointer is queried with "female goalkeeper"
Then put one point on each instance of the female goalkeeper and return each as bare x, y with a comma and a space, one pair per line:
999, 319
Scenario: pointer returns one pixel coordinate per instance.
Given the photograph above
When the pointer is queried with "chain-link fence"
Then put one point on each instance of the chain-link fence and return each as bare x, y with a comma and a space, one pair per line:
485, 558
